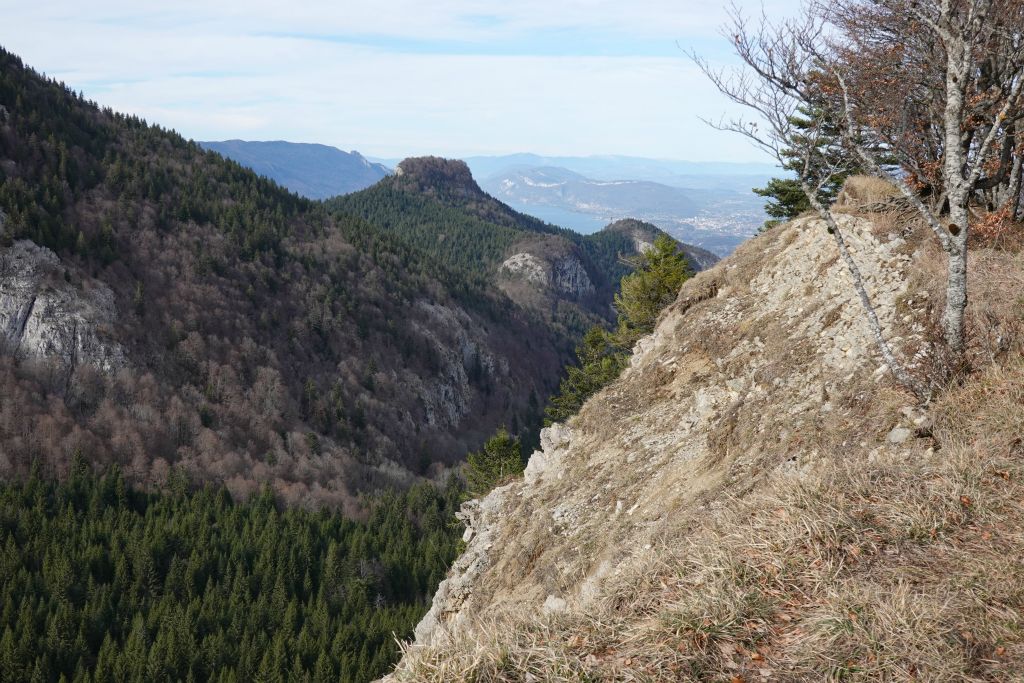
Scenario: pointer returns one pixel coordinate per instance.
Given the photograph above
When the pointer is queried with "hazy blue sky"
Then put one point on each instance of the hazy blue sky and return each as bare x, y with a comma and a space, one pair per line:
399, 77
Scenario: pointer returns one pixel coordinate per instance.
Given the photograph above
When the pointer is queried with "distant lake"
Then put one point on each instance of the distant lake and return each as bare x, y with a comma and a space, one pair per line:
580, 222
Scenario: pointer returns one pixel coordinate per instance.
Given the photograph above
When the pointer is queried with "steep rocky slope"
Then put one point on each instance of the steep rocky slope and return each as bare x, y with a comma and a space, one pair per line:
754, 500
42, 316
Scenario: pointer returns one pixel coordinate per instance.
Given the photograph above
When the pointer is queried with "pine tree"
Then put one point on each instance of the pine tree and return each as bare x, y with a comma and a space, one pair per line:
660, 272
500, 459
786, 197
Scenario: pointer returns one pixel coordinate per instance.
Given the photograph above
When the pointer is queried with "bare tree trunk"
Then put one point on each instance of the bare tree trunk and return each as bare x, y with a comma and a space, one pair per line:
958, 188
1014, 196
953, 318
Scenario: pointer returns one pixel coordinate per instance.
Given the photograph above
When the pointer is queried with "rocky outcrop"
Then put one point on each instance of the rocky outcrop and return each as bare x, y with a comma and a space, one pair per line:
436, 176
570, 277
563, 275
643, 235
527, 267
457, 343
45, 317
735, 383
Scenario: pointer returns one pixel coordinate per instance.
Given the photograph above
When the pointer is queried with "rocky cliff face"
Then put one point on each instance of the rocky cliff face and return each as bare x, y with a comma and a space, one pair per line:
456, 340
45, 317
759, 376
436, 176
564, 275
643, 235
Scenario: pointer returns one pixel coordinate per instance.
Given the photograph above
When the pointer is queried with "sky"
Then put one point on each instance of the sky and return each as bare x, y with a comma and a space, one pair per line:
397, 78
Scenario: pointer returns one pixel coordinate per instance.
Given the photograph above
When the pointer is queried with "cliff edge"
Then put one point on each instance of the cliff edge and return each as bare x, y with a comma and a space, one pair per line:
754, 499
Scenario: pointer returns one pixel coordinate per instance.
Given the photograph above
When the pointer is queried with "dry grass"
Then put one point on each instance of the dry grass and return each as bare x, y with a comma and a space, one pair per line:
861, 190
873, 562
901, 566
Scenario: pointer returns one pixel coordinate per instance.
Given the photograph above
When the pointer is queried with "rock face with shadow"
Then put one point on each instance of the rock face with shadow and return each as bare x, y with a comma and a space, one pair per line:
46, 316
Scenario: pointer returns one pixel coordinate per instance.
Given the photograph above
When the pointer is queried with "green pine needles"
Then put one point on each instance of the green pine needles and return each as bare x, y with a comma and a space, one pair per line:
100, 582
654, 283
499, 460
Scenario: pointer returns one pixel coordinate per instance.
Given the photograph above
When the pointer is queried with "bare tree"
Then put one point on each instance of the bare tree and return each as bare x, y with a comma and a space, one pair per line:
925, 93
783, 82
961, 67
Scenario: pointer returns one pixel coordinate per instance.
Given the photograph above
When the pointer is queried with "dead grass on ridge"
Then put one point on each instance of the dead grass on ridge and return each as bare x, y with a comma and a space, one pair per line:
900, 566
890, 563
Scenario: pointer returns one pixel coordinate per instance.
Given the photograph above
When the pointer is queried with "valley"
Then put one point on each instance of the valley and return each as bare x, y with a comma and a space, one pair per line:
434, 410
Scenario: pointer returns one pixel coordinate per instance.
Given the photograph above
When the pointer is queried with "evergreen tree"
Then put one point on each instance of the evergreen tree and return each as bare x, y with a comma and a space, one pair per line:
660, 272
600, 362
654, 283
500, 459
101, 582
786, 198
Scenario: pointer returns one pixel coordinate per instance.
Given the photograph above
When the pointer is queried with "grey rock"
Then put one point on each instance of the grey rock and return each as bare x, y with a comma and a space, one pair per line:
481, 516
899, 435
526, 266
565, 275
570, 277
44, 317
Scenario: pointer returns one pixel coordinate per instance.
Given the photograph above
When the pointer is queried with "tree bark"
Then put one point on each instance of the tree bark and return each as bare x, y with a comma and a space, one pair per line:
953, 318
958, 187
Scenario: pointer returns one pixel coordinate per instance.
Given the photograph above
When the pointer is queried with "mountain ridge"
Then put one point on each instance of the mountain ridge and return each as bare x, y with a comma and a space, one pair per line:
258, 339
438, 205
752, 479
313, 170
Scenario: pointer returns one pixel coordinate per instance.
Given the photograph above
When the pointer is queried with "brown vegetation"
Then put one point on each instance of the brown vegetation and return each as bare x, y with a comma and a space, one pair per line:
797, 543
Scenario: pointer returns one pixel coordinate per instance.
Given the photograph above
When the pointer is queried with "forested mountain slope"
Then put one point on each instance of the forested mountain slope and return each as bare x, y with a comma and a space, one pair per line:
435, 205
161, 306
102, 582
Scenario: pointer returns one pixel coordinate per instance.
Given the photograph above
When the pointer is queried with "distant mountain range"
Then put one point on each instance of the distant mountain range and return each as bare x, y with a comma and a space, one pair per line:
560, 187
716, 212
706, 204
313, 171
687, 174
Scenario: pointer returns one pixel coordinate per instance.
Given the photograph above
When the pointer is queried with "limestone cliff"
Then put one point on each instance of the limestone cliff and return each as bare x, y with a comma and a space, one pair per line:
762, 377
565, 274
45, 317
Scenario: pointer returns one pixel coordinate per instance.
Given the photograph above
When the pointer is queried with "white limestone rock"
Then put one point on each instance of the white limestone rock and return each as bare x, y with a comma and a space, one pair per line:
45, 317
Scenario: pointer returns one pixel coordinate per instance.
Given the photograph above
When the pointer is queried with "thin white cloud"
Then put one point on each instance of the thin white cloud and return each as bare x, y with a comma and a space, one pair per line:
271, 70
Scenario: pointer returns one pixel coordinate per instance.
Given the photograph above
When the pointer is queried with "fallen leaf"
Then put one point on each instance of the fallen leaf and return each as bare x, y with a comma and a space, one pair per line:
756, 656
1000, 651
965, 501
737, 679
